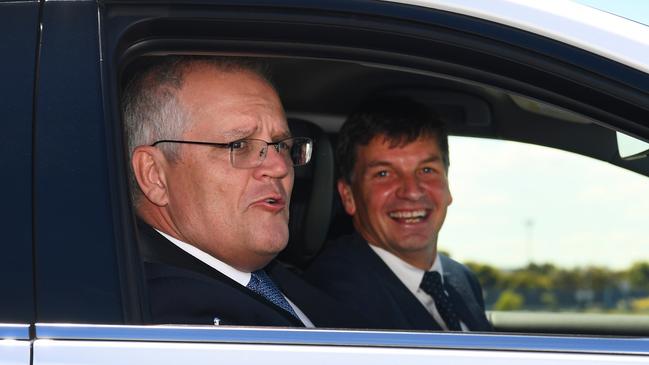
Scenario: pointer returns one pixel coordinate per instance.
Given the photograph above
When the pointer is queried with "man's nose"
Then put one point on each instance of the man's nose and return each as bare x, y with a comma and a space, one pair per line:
275, 164
410, 188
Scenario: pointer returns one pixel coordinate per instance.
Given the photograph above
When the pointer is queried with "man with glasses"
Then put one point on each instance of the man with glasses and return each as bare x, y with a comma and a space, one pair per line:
212, 172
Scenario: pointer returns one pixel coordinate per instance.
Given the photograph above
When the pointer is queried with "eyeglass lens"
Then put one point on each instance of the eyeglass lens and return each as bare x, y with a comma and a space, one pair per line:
251, 153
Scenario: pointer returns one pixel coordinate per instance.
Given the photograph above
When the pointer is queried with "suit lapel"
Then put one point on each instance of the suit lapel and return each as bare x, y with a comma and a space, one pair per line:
321, 309
461, 295
157, 249
405, 302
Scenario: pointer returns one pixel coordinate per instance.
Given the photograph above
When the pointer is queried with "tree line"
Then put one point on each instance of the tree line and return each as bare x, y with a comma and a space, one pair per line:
547, 287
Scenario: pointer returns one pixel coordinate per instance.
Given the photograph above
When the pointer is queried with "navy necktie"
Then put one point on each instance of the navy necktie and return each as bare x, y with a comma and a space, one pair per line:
263, 285
432, 285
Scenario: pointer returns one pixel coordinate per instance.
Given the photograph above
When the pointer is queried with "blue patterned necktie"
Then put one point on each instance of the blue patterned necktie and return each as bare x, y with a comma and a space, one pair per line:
263, 285
432, 285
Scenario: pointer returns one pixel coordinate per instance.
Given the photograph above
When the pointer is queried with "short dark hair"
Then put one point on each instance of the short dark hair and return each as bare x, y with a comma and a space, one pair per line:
400, 120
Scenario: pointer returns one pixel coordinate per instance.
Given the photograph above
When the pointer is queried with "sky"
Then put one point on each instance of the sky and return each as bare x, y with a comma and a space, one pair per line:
637, 10
559, 207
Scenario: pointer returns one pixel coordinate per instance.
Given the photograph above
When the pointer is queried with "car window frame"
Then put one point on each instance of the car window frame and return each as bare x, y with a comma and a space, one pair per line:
131, 31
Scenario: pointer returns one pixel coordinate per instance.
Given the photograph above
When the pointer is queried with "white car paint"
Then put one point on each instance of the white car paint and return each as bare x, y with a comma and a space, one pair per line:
14, 352
581, 26
55, 352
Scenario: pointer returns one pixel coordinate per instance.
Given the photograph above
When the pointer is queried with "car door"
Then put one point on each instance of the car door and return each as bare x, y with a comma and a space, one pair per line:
91, 307
18, 40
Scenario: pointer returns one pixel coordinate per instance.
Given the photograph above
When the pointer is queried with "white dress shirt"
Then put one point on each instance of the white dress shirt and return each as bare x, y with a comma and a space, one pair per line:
411, 277
240, 277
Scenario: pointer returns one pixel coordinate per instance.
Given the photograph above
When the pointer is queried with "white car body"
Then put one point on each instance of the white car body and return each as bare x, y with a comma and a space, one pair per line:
575, 24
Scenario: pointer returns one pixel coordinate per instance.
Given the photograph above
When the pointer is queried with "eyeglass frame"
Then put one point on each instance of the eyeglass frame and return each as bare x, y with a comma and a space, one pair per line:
229, 145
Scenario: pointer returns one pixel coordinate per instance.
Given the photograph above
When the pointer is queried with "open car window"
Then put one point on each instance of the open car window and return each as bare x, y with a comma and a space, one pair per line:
554, 233
545, 210
504, 92
557, 239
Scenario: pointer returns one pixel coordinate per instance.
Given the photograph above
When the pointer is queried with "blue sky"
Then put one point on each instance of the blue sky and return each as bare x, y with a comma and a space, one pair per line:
558, 207
637, 10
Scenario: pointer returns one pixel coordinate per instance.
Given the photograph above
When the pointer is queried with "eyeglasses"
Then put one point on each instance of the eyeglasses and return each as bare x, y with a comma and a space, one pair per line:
249, 153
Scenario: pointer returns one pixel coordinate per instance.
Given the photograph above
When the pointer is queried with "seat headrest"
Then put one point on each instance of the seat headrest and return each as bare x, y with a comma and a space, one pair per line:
312, 197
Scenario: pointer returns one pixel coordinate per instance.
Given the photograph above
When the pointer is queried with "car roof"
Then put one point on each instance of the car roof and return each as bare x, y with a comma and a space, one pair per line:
593, 30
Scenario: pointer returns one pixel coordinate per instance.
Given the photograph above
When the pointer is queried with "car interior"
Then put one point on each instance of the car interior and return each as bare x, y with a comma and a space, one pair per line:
318, 94
469, 109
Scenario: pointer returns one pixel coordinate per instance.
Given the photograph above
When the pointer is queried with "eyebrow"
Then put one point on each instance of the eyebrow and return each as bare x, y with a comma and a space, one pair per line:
381, 163
432, 159
378, 163
282, 135
239, 133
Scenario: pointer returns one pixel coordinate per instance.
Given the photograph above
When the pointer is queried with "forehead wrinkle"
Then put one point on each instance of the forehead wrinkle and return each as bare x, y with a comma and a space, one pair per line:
241, 116
249, 119
240, 132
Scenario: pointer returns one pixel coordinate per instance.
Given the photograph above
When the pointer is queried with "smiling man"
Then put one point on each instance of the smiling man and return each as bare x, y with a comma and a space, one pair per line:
393, 160
212, 172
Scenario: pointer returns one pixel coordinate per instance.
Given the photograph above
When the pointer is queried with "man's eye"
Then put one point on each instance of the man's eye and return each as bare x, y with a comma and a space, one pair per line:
382, 173
427, 170
239, 145
284, 146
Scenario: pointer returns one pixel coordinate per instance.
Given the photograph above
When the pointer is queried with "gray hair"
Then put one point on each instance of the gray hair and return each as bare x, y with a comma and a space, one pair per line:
151, 110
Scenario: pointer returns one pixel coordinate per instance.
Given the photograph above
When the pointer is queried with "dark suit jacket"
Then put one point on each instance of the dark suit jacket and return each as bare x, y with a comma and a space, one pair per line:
350, 271
183, 290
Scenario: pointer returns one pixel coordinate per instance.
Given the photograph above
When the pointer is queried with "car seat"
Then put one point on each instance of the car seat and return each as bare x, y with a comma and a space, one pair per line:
312, 197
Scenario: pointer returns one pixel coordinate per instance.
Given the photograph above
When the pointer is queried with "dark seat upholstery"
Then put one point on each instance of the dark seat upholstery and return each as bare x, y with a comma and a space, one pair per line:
311, 201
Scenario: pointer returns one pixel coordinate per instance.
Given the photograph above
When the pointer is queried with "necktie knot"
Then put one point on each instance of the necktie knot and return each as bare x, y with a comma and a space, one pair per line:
263, 285
432, 280
433, 286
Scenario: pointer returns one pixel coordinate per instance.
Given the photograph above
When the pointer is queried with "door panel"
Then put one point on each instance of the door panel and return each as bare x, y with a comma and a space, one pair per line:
18, 35
87, 344
14, 344
75, 244
125, 353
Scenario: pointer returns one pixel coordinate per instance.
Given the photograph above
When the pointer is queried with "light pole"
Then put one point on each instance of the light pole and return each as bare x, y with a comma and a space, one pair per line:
529, 230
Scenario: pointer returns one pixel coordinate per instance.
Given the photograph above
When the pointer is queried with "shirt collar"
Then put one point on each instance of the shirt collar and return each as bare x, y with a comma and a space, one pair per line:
239, 276
409, 275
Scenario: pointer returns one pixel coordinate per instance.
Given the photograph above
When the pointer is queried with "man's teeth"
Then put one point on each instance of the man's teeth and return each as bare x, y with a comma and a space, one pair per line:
408, 214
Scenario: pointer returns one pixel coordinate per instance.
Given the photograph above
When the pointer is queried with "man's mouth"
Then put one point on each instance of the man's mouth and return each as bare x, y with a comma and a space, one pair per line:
409, 216
273, 203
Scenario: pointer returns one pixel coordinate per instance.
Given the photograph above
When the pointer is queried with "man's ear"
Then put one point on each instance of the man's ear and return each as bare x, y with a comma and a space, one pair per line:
450, 197
346, 196
448, 188
149, 167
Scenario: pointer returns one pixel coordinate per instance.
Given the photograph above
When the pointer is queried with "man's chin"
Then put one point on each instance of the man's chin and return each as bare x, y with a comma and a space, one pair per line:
272, 243
269, 234
415, 242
